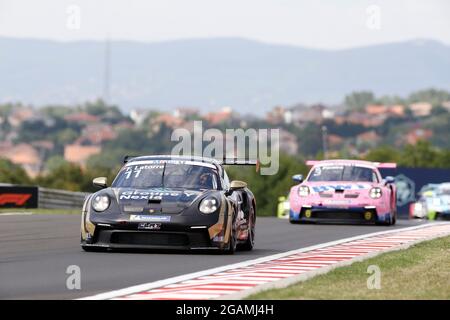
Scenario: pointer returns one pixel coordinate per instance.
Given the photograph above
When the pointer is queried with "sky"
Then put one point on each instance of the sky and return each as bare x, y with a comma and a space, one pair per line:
315, 24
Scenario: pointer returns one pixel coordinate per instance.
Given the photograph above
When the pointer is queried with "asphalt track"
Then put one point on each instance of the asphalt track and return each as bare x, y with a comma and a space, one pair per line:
35, 251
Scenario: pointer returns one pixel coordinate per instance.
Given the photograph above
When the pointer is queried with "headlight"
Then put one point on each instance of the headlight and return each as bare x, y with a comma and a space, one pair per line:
101, 202
375, 193
209, 205
303, 191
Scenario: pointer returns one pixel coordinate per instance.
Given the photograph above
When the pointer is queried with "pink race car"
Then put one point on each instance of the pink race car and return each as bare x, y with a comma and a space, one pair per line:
344, 191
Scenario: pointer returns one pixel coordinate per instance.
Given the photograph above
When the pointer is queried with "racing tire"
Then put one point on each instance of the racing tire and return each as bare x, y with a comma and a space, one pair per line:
385, 223
250, 242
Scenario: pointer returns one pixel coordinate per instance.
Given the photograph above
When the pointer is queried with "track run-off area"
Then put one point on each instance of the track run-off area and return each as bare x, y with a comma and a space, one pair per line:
37, 250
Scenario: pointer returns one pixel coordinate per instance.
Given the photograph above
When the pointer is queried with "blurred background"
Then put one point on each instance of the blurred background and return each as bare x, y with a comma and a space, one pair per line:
83, 83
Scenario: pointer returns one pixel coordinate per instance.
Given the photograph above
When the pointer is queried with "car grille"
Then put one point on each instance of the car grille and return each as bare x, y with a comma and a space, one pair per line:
192, 239
148, 238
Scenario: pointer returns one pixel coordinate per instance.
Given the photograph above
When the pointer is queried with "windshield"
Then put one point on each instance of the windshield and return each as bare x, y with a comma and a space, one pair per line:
166, 175
342, 173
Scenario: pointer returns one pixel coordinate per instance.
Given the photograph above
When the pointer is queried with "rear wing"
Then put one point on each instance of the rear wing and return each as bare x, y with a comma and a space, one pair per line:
385, 165
380, 165
128, 158
240, 162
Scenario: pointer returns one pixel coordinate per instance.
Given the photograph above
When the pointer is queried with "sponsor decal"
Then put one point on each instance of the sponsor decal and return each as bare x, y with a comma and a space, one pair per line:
155, 164
152, 195
332, 187
149, 226
18, 197
338, 202
144, 218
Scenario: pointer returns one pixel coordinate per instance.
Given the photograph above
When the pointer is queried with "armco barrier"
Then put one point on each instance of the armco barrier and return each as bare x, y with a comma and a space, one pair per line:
60, 199
54, 198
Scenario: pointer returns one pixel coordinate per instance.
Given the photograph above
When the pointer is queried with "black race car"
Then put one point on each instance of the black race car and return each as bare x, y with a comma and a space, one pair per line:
170, 202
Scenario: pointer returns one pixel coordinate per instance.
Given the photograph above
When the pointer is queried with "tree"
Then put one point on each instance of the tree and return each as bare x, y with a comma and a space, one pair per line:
357, 101
12, 173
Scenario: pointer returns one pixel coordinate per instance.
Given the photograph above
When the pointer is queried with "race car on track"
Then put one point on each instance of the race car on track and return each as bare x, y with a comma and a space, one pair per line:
283, 207
170, 202
433, 202
344, 191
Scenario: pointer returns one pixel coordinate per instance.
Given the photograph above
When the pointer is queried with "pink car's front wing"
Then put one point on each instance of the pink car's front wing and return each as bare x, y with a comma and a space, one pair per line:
351, 203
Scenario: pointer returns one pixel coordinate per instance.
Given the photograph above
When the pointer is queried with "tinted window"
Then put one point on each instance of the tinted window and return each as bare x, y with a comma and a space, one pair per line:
342, 173
166, 175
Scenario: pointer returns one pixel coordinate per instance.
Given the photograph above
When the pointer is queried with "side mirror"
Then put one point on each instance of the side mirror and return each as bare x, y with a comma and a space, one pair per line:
297, 178
389, 179
100, 182
236, 185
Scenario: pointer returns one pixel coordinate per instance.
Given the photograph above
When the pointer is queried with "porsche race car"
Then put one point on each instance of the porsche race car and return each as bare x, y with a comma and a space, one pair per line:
344, 191
170, 202
433, 202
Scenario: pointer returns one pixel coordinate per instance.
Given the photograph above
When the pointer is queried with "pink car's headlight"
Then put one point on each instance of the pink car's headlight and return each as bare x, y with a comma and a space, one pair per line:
303, 191
375, 193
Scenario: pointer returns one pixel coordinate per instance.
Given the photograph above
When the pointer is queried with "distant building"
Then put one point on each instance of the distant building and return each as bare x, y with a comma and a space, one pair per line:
288, 143
23, 154
98, 133
186, 113
20, 115
81, 117
376, 109
365, 119
446, 105
421, 109
368, 138
225, 114
416, 134
79, 154
276, 115
168, 120
397, 110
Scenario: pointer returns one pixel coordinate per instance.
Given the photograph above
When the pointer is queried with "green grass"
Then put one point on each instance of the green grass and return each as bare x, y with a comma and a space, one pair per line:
41, 211
420, 272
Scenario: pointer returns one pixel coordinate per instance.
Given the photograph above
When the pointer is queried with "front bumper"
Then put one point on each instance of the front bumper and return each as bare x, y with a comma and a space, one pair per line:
173, 231
142, 239
360, 215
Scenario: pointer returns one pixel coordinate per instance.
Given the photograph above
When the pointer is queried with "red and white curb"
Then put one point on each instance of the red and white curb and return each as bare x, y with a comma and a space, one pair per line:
239, 280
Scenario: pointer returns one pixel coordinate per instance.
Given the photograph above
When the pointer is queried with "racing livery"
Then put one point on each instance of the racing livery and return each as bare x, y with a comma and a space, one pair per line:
433, 202
170, 202
344, 191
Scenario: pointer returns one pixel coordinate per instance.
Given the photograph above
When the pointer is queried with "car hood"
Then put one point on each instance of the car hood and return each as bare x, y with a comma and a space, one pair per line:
155, 200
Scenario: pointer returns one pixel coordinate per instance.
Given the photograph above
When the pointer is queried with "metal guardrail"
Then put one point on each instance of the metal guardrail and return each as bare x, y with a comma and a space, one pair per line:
57, 199
60, 199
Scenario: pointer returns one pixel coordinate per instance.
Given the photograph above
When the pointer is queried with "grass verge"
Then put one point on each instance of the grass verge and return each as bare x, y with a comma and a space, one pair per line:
40, 211
419, 272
